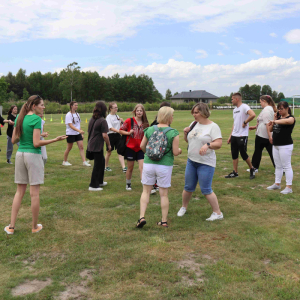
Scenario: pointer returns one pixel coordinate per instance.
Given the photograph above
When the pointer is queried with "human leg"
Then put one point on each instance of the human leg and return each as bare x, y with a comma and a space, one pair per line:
69, 147
259, 146
213, 201
285, 153
141, 162
9, 149
278, 165
121, 160
164, 203
35, 204
130, 165
21, 188
144, 199
107, 156
269, 148
98, 170
81, 150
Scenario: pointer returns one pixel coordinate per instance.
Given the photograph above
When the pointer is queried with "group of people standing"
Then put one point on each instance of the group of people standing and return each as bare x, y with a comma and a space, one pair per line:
203, 137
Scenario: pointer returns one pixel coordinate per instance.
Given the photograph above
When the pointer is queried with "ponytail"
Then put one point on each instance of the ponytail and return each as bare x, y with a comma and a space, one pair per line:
26, 108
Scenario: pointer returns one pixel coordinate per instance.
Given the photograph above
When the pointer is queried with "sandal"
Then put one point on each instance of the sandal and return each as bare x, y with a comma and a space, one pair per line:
161, 223
141, 222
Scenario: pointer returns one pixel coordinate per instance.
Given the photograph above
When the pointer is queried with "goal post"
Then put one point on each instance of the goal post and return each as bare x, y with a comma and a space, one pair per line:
293, 101
250, 102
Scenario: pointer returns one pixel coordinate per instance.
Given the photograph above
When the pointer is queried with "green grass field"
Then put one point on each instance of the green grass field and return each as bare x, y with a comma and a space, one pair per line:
90, 249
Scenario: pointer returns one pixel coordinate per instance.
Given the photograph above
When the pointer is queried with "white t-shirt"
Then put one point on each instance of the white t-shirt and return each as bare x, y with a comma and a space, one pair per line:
113, 122
71, 119
199, 136
264, 117
239, 117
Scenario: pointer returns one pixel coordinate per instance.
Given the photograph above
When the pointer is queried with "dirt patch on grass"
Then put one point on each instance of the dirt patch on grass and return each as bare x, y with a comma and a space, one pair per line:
78, 291
30, 287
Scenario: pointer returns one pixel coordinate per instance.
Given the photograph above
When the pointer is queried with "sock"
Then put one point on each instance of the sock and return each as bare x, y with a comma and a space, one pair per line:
128, 181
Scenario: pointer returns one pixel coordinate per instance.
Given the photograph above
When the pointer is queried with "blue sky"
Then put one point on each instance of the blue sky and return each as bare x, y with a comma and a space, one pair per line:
182, 45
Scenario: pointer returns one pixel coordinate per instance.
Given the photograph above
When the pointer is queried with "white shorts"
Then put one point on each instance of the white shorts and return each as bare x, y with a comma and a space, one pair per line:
161, 174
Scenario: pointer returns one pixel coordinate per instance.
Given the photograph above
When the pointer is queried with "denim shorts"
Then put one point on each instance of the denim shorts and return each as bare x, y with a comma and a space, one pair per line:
195, 172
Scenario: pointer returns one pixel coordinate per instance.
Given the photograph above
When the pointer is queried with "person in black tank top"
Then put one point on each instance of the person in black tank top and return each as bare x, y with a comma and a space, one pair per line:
282, 127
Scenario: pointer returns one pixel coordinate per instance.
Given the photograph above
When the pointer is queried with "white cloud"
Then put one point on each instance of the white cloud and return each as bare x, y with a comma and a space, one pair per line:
220, 53
106, 21
293, 36
177, 55
215, 78
257, 52
273, 34
155, 56
203, 53
239, 40
240, 53
224, 45
271, 51
48, 60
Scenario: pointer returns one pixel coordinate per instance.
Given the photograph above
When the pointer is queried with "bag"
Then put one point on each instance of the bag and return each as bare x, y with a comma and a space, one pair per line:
88, 154
192, 126
121, 147
157, 144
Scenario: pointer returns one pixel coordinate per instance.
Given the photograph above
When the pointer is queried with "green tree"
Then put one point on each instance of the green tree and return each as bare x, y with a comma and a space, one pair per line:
280, 97
25, 94
266, 90
245, 91
224, 99
274, 96
3, 90
168, 94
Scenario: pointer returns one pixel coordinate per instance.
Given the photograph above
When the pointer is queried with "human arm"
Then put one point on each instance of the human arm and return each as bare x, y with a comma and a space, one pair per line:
175, 146
251, 114
270, 133
37, 142
44, 134
144, 144
186, 130
214, 145
74, 128
14, 138
252, 127
106, 139
229, 139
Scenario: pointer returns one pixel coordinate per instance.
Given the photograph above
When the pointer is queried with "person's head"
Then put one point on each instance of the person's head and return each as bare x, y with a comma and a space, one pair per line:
165, 115
236, 98
113, 108
73, 106
267, 100
13, 110
99, 110
165, 103
139, 112
200, 110
34, 104
283, 108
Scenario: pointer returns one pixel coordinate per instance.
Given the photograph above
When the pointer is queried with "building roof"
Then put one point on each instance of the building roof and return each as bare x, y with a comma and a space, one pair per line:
201, 94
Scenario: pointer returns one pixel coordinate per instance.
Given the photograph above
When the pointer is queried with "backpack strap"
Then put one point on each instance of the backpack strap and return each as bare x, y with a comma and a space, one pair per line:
131, 119
192, 126
167, 129
155, 128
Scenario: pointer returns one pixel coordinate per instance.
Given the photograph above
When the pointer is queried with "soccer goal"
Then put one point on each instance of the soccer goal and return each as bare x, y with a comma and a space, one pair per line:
251, 103
293, 101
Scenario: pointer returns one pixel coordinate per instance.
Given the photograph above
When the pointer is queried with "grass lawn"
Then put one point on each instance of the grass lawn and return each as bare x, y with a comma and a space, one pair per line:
90, 249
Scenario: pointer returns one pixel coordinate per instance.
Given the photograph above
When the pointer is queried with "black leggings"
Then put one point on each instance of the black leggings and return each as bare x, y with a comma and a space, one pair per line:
98, 170
239, 145
260, 144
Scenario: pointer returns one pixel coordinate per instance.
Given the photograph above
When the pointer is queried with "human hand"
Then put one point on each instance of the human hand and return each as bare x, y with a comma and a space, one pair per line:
10, 122
109, 148
229, 140
271, 140
244, 125
81, 131
252, 127
60, 138
203, 149
131, 131
180, 151
44, 134
186, 130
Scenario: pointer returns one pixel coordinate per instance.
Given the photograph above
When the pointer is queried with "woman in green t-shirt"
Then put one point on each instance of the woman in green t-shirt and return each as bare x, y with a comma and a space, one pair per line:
29, 166
159, 170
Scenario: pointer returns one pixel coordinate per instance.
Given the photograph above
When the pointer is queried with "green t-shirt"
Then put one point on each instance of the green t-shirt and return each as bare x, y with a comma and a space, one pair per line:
30, 123
168, 158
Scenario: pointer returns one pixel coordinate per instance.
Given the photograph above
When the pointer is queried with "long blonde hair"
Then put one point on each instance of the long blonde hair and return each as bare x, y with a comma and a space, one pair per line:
26, 108
270, 101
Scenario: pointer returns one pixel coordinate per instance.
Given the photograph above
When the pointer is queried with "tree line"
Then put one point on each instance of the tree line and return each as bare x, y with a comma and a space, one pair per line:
74, 84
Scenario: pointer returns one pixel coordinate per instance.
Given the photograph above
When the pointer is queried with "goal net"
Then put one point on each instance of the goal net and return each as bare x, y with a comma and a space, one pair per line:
294, 102
251, 103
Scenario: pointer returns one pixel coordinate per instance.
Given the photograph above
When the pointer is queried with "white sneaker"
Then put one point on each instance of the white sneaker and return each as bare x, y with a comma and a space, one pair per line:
287, 190
91, 189
181, 212
103, 184
66, 163
256, 170
153, 191
214, 216
85, 163
273, 187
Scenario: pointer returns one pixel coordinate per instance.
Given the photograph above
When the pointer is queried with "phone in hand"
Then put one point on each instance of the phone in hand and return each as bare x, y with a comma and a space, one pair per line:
278, 115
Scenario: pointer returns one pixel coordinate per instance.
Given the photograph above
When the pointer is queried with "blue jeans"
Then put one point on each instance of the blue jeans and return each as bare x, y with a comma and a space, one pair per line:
195, 172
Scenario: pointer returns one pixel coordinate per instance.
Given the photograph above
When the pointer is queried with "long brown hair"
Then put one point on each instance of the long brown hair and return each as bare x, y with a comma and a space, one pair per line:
144, 117
71, 105
99, 110
269, 100
11, 109
26, 108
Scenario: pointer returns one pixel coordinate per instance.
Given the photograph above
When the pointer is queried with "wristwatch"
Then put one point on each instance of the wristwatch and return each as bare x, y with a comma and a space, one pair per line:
245, 123
208, 144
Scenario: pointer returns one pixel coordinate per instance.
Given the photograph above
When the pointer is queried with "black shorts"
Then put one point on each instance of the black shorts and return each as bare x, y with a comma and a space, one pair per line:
239, 145
132, 155
114, 139
74, 138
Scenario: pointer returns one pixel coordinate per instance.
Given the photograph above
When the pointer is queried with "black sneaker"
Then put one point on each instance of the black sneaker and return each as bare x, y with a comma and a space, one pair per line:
232, 175
128, 187
252, 173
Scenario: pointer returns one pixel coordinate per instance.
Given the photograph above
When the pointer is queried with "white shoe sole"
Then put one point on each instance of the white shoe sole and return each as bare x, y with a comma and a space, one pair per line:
95, 189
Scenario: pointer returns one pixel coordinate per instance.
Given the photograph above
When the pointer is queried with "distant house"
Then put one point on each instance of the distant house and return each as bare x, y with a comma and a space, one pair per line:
194, 96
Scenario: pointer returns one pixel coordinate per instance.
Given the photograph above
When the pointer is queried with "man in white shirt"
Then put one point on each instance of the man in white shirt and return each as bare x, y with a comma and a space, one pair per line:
238, 138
